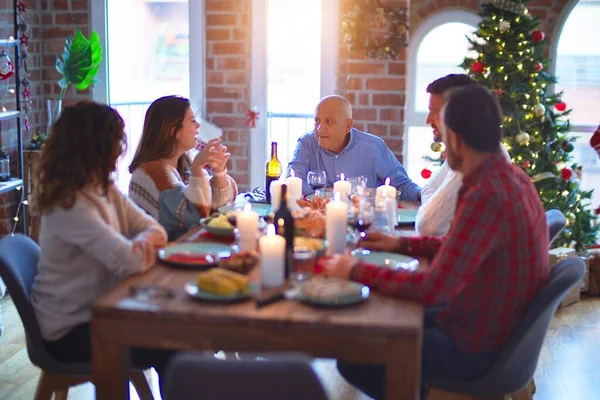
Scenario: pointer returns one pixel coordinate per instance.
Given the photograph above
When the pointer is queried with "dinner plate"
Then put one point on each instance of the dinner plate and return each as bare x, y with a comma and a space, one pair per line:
406, 217
263, 210
392, 260
194, 255
192, 289
217, 231
362, 294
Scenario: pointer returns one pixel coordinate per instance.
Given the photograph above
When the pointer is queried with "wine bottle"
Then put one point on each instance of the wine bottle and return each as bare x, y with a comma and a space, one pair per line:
284, 226
273, 171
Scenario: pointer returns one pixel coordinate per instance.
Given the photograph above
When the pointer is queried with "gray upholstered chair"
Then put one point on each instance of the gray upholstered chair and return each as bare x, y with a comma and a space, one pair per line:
197, 376
513, 371
19, 257
556, 223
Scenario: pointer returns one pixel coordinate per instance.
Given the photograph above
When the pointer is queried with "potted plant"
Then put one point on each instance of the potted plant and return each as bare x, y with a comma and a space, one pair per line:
79, 65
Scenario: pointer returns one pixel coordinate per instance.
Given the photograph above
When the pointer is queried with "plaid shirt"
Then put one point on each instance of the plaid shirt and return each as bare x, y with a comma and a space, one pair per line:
489, 266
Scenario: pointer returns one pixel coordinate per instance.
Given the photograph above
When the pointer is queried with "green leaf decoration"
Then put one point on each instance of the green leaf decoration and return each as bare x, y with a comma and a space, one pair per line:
81, 59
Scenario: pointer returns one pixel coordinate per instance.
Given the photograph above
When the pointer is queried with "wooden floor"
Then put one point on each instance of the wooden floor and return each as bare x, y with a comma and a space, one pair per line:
569, 367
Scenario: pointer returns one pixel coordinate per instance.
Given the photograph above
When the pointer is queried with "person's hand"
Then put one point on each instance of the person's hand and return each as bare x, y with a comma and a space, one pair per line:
147, 249
206, 156
380, 241
219, 158
340, 266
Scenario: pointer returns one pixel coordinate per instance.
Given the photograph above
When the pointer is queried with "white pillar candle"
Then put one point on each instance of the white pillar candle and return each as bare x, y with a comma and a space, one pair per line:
336, 221
247, 222
294, 189
386, 190
272, 258
276, 194
343, 187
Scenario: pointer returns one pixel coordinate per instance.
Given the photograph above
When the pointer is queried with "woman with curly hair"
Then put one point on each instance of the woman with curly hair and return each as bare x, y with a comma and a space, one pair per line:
165, 182
92, 236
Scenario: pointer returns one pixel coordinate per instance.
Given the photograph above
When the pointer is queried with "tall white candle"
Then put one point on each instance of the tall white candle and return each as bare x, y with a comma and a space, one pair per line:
343, 187
247, 222
294, 189
276, 194
336, 220
386, 190
272, 258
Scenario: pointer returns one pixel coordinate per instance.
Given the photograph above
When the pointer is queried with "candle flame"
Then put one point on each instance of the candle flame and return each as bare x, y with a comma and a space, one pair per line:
342, 177
292, 173
387, 181
271, 230
248, 207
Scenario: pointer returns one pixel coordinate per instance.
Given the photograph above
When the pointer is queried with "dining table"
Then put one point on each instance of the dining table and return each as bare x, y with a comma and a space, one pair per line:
381, 330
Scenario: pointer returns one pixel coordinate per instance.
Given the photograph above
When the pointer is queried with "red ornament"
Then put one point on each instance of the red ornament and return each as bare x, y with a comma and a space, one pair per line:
426, 174
566, 173
479, 67
21, 6
538, 67
498, 92
252, 117
560, 106
537, 36
526, 164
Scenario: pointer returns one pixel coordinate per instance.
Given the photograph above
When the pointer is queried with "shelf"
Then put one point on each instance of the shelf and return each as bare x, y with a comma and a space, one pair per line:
10, 185
5, 42
6, 115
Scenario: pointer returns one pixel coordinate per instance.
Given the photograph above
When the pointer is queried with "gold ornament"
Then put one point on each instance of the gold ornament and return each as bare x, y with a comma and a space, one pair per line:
436, 147
539, 110
523, 138
401, 29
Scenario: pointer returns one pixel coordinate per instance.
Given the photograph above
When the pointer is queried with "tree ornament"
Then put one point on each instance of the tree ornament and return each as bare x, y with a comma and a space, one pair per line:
425, 173
538, 67
526, 164
560, 106
498, 92
479, 67
537, 36
436, 147
7, 68
523, 138
539, 110
566, 173
504, 26
568, 146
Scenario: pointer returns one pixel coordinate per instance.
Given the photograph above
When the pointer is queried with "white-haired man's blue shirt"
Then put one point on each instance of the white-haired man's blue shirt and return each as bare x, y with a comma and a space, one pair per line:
365, 155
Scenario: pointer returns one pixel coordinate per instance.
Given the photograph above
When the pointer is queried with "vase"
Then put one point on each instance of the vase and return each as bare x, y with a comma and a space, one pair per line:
53, 108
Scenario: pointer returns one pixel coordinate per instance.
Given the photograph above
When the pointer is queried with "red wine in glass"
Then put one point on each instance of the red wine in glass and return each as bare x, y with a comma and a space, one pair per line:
360, 225
317, 186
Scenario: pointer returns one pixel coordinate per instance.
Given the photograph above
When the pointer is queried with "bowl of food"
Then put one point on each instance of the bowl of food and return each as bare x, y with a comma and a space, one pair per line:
242, 262
218, 225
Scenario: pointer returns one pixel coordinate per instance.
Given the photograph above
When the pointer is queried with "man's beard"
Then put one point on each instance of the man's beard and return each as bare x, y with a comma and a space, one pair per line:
454, 160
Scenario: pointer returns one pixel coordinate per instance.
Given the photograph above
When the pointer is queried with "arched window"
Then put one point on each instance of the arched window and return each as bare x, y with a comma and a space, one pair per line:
437, 47
578, 72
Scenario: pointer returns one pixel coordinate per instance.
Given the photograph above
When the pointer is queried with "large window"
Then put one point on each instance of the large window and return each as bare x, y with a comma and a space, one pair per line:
438, 46
578, 73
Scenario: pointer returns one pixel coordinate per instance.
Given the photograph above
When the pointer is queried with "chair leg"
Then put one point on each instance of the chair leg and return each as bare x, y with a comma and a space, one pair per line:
140, 383
44, 388
61, 394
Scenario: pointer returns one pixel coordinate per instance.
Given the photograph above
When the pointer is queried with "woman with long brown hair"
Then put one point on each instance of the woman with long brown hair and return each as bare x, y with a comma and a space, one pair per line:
92, 236
166, 182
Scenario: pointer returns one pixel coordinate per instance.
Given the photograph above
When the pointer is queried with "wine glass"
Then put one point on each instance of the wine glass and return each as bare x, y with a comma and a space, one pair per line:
316, 179
361, 214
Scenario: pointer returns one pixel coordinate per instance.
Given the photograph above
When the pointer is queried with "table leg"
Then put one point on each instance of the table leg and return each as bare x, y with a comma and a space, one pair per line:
110, 363
403, 373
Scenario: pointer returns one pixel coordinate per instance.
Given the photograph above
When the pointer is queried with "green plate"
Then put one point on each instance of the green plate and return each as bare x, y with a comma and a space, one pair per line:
262, 210
221, 232
392, 260
193, 290
407, 217
335, 301
215, 250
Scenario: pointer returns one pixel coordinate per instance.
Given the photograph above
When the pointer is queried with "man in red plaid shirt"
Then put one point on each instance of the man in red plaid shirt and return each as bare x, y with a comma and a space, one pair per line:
484, 273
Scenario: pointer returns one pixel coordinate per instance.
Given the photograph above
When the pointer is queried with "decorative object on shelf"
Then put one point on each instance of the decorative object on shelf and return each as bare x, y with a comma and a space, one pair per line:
4, 166
7, 68
252, 116
79, 65
23, 29
378, 29
37, 141
426, 173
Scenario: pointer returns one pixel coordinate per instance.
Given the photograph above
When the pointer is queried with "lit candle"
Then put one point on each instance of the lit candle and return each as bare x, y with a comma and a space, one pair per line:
336, 220
343, 187
294, 189
386, 190
272, 258
247, 222
276, 194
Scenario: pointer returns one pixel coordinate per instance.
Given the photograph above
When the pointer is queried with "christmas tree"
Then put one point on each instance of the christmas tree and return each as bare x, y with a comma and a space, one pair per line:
511, 63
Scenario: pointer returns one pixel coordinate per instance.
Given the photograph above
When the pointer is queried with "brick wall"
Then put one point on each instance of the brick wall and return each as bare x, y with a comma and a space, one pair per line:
228, 78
